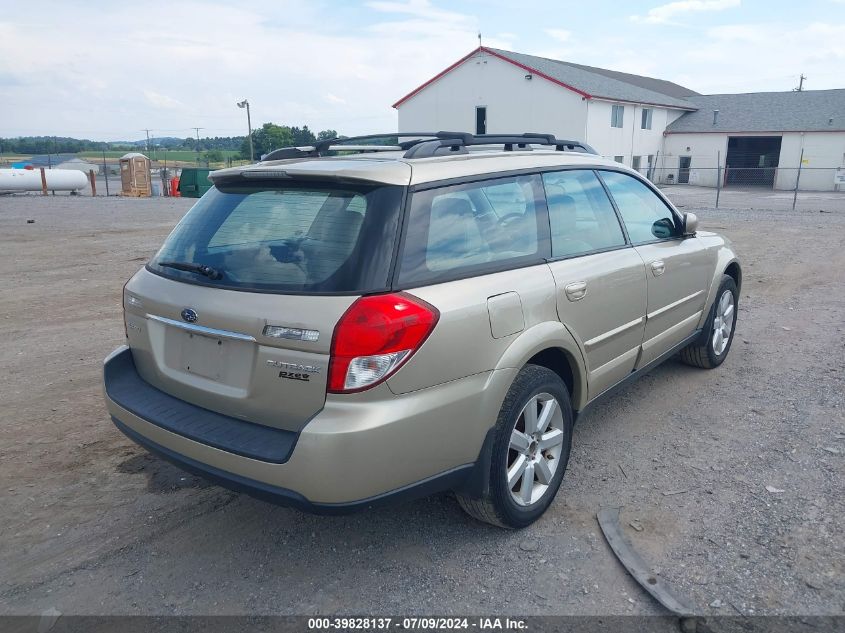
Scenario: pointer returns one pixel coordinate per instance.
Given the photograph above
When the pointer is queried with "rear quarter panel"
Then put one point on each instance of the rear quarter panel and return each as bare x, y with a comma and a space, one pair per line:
462, 343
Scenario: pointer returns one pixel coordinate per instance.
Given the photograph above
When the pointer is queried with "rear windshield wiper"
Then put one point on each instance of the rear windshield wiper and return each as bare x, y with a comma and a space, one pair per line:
202, 269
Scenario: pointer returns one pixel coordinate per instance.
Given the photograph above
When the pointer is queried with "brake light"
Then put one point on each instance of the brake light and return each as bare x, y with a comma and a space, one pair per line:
375, 337
123, 305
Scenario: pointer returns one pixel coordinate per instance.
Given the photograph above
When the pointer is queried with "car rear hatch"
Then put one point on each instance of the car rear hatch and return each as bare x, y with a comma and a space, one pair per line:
236, 312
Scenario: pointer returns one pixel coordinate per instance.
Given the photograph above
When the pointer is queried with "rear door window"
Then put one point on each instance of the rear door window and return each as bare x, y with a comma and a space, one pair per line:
286, 237
474, 228
581, 215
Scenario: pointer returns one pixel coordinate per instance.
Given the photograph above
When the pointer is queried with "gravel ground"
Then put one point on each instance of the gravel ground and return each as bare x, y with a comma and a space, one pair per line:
730, 481
754, 198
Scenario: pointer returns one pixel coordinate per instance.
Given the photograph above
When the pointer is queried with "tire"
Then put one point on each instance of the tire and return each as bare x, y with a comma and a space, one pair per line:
711, 349
545, 451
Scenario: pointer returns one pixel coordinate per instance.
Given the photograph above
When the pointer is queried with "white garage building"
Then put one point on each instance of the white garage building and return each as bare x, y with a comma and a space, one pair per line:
656, 126
760, 138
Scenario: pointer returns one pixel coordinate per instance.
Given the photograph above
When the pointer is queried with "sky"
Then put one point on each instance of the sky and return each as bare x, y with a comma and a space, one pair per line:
108, 70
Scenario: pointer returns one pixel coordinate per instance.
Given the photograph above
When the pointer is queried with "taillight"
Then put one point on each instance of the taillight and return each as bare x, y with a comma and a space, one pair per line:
129, 300
375, 337
123, 305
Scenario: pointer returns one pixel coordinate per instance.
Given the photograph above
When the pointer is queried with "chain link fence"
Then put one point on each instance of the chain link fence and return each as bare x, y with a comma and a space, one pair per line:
709, 182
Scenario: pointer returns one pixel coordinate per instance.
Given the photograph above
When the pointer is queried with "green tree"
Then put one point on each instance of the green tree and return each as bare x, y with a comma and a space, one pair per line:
302, 136
267, 138
326, 134
214, 156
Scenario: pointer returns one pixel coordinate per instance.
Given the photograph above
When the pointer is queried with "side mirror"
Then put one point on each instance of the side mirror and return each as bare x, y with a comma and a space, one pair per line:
663, 228
690, 223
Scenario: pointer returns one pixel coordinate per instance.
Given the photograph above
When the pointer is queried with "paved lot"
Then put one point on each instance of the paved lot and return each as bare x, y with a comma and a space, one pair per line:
91, 524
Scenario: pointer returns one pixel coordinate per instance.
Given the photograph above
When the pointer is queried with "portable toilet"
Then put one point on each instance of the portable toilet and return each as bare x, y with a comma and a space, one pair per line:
135, 175
194, 182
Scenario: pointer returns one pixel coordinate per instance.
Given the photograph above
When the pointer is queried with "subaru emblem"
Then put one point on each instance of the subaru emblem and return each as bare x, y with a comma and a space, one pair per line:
189, 315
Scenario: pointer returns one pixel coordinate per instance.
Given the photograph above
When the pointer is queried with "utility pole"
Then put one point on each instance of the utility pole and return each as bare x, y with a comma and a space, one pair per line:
245, 104
148, 140
800, 87
798, 178
106, 173
198, 144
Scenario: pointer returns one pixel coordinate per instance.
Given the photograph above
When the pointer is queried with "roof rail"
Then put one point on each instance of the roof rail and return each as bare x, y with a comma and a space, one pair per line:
459, 142
339, 144
426, 144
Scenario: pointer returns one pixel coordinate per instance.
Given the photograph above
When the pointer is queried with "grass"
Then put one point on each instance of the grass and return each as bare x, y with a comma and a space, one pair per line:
180, 155
176, 158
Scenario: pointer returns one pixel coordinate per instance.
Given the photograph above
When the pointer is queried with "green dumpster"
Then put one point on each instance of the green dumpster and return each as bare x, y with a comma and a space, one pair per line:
194, 182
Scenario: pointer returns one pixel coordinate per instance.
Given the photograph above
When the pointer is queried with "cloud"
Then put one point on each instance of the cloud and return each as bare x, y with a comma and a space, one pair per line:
118, 71
816, 50
334, 98
665, 13
338, 66
162, 101
417, 8
561, 35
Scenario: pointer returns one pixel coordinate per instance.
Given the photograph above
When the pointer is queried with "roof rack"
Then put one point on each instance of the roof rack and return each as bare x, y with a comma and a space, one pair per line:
459, 142
427, 144
341, 144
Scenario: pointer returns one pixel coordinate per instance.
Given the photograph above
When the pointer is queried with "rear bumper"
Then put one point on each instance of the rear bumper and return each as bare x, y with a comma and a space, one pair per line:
454, 479
360, 450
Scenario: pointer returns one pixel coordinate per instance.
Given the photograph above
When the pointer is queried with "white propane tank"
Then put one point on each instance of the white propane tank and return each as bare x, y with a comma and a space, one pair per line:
30, 180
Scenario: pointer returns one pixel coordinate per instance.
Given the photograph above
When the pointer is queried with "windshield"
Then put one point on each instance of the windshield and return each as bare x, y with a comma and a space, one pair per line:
284, 236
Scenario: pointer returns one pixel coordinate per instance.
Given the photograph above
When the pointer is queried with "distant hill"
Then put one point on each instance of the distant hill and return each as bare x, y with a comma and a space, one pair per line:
29, 145
161, 141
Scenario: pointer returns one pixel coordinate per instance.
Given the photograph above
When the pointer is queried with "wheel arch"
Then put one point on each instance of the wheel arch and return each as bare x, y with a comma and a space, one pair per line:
551, 345
734, 270
726, 264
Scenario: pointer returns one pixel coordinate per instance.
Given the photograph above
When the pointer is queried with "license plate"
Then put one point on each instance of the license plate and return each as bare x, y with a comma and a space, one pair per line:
203, 355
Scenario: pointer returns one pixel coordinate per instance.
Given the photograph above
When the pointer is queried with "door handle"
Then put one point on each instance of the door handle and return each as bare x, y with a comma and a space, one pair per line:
658, 268
576, 291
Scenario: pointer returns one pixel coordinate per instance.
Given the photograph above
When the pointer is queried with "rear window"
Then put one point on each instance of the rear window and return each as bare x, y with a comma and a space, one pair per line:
286, 237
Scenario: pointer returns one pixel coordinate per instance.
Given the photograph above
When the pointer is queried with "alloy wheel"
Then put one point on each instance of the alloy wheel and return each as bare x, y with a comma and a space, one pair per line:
723, 322
535, 448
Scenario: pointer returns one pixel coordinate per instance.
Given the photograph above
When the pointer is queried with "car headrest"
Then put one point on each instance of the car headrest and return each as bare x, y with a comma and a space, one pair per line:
562, 207
451, 206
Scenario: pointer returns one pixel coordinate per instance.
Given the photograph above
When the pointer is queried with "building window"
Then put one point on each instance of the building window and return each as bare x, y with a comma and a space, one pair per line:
635, 162
617, 114
619, 159
646, 123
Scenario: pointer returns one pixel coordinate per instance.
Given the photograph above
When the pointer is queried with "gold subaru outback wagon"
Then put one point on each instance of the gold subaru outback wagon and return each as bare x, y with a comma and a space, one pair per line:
352, 323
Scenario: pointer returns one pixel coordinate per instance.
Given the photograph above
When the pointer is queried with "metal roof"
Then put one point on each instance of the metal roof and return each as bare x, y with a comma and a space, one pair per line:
805, 111
589, 82
599, 83
650, 83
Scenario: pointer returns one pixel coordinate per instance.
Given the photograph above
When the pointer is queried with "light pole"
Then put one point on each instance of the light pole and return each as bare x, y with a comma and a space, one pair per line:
245, 104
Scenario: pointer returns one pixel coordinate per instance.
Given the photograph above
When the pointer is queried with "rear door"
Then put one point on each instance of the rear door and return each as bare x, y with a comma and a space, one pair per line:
600, 279
236, 311
677, 268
